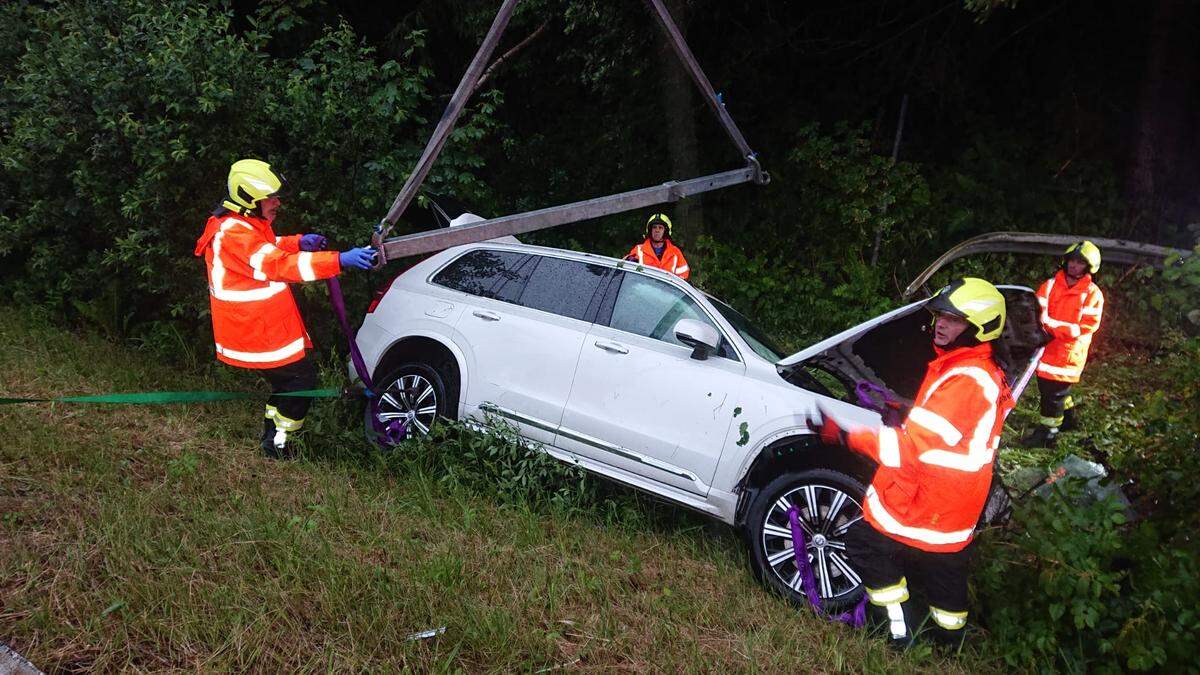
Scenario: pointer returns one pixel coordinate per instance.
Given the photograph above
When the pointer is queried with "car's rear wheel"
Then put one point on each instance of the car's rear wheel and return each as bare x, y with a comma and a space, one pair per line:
409, 401
828, 502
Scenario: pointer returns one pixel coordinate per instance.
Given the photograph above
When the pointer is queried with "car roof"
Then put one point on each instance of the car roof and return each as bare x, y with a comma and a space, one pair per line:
591, 258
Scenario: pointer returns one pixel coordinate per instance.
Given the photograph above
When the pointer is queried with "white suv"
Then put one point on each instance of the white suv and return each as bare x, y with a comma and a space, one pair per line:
638, 376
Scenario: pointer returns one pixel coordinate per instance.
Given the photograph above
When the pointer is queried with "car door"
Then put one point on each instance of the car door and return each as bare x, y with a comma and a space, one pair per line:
639, 401
526, 319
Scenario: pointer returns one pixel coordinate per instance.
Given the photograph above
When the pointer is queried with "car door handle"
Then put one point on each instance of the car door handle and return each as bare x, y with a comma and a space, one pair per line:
486, 316
612, 347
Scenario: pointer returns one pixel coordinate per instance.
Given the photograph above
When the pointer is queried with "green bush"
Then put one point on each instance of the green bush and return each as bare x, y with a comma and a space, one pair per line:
1176, 300
1073, 585
119, 122
846, 194
497, 463
796, 304
1061, 559
801, 265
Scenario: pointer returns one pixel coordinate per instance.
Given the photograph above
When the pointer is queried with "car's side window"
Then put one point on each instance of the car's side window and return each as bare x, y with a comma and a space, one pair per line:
483, 272
651, 308
510, 289
563, 287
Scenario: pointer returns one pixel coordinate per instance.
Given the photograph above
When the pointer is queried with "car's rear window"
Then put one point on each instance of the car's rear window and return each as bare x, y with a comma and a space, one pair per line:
482, 272
564, 287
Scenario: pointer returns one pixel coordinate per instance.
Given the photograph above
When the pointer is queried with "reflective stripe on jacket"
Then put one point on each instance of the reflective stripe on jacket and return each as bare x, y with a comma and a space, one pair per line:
1071, 314
255, 320
935, 470
672, 259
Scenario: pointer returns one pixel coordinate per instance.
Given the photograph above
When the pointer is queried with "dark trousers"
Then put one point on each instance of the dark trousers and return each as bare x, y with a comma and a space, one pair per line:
298, 376
285, 414
888, 567
1055, 399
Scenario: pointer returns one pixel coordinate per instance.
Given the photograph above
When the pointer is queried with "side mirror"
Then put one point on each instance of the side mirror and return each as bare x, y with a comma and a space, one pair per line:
701, 337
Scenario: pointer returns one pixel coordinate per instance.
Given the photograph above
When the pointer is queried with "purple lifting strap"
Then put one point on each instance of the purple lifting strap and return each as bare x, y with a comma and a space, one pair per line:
394, 431
873, 396
856, 617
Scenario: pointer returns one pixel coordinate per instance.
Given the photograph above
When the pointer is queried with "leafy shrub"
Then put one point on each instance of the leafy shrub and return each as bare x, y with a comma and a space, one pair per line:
846, 194
821, 215
499, 463
1076, 587
1176, 300
120, 120
1005, 179
794, 303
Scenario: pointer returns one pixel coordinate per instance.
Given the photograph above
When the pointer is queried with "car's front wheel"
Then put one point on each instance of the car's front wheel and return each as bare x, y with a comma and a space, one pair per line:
827, 503
408, 402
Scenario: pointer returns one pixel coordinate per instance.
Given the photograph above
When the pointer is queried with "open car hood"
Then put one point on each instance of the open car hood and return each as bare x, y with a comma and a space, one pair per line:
889, 353
829, 342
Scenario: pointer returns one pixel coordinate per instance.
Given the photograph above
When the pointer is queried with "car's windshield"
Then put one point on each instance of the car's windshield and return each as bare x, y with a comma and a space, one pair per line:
760, 342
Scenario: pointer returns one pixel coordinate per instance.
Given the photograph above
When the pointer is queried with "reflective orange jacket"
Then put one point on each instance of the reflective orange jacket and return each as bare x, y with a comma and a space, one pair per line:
1071, 314
935, 470
255, 320
672, 259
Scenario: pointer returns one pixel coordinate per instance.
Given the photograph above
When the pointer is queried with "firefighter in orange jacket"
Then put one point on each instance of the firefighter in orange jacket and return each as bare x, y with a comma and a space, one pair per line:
1071, 308
256, 324
658, 250
935, 468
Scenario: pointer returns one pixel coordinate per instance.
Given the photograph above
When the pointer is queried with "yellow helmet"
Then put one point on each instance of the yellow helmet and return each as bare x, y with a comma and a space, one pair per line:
975, 300
658, 219
251, 181
1086, 250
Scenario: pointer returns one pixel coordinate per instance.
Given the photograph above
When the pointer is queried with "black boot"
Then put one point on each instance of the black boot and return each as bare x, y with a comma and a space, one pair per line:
1041, 437
1070, 422
950, 640
268, 440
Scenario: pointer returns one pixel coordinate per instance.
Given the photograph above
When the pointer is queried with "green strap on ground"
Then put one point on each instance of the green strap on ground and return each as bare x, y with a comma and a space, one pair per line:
165, 397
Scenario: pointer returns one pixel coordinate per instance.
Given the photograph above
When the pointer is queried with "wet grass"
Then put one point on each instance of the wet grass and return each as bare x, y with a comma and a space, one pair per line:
156, 539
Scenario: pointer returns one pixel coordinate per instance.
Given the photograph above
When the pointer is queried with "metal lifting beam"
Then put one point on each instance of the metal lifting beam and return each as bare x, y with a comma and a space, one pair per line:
436, 240
425, 242
466, 86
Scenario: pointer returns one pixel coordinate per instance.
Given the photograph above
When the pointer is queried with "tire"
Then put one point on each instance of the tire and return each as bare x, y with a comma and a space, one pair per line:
768, 534
416, 392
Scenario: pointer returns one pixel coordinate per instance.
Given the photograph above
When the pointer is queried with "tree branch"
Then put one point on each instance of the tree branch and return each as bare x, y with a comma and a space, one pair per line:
507, 55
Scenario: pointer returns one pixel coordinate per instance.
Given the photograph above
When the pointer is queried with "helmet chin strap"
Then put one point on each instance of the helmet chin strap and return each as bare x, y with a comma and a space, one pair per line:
241, 210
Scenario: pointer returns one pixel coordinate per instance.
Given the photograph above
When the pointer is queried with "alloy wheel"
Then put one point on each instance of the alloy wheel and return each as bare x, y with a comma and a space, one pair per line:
826, 513
410, 399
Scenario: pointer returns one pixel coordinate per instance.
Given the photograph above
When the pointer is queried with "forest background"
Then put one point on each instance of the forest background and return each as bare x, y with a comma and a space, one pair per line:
891, 130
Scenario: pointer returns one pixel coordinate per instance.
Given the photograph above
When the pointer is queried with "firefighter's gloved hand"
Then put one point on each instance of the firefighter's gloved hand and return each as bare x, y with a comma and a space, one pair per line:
894, 413
631, 258
828, 429
313, 242
362, 258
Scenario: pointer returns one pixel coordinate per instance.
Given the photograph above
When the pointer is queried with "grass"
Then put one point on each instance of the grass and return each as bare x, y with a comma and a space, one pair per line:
156, 539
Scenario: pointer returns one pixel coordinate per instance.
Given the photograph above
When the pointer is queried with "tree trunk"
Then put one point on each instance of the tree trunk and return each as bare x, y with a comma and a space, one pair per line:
678, 98
1157, 184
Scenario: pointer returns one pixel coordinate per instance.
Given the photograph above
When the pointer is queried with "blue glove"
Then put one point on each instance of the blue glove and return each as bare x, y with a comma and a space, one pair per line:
359, 258
313, 242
